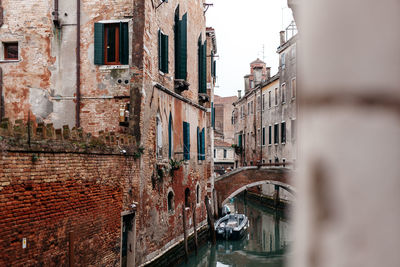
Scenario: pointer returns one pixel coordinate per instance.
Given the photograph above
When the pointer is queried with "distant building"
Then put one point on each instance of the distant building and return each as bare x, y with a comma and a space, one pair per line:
224, 157
224, 129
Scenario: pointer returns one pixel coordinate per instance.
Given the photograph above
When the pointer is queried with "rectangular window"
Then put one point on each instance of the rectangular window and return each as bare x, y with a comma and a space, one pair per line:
269, 99
283, 60
202, 65
258, 102
162, 52
248, 108
263, 136
293, 85
270, 135
10, 51
263, 102
215, 153
283, 92
225, 153
240, 140
283, 132
186, 140
276, 96
276, 134
111, 43
293, 130
180, 46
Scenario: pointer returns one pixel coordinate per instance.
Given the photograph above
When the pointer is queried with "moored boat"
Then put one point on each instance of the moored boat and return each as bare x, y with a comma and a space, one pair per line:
232, 226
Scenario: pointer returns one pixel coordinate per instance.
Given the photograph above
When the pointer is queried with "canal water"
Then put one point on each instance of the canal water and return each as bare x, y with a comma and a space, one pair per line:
266, 244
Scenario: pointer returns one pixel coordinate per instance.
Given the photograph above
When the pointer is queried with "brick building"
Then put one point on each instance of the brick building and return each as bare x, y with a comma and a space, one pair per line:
135, 80
224, 129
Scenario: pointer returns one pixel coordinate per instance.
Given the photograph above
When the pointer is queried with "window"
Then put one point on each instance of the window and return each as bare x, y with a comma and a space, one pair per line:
10, 51
201, 144
225, 153
202, 65
284, 162
276, 134
276, 96
124, 115
258, 134
263, 136
270, 135
180, 31
263, 102
283, 132
248, 108
240, 140
215, 153
171, 202
258, 102
293, 85
283, 60
186, 140
293, 130
170, 136
251, 84
241, 112
162, 52
198, 194
159, 135
212, 115
269, 99
187, 197
283, 92
111, 43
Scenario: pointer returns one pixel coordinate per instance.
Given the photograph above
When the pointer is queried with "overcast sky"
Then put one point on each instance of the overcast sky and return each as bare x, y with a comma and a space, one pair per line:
242, 28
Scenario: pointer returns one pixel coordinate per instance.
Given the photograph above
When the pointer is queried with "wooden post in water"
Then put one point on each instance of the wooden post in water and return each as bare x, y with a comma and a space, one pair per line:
210, 220
196, 244
185, 234
71, 249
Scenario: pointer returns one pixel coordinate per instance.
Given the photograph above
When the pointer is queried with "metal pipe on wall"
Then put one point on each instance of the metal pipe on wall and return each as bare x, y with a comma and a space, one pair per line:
1, 14
78, 63
1, 93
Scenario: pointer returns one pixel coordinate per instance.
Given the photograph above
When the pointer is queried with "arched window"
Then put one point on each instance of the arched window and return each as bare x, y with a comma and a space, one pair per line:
198, 194
171, 202
187, 197
159, 135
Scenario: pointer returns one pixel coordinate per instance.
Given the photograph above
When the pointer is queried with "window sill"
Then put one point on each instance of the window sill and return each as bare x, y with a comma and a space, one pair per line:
10, 60
114, 67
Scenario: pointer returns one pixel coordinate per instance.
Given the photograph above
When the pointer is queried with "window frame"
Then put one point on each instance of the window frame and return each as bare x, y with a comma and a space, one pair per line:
283, 133
276, 97
107, 26
283, 93
293, 90
276, 134
5, 51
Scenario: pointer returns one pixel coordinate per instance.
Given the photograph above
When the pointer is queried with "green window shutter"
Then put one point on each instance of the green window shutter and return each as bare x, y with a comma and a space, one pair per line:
160, 59
200, 62
203, 144
240, 140
214, 68
186, 140
270, 135
170, 136
99, 44
165, 44
124, 43
182, 49
198, 144
212, 115
204, 68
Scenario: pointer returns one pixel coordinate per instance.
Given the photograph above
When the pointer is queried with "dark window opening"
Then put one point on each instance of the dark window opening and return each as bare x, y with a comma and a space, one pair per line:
283, 132
10, 51
124, 116
170, 201
162, 52
225, 152
276, 134
198, 194
111, 32
284, 161
111, 43
270, 135
263, 136
187, 197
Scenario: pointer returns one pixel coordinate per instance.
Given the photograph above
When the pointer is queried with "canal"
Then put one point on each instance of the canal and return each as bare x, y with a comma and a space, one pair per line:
267, 242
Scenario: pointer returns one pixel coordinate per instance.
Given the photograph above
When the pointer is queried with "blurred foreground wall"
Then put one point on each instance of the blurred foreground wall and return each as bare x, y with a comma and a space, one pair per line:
348, 211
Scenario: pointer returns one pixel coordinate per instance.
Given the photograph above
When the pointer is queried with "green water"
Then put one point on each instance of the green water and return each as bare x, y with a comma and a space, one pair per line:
266, 244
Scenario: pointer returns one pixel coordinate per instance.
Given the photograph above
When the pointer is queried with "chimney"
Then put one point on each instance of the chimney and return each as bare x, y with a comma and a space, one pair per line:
282, 35
239, 94
268, 72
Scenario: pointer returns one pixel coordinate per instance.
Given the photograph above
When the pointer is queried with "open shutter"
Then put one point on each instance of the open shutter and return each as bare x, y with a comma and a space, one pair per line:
160, 59
198, 144
240, 140
203, 144
182, 53
212, 115
204, 68
170, 136
164, 47
99, 44
200, 62
124, 43
186, 140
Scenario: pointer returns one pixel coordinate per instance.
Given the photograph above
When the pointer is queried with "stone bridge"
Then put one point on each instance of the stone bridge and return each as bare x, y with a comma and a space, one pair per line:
236, 181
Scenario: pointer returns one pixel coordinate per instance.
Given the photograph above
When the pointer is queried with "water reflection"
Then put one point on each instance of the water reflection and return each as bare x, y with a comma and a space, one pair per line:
265, 245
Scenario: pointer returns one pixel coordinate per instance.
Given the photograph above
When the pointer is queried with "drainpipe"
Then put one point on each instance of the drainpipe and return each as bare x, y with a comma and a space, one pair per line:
55, 14
78, 64
1, 95
1, 14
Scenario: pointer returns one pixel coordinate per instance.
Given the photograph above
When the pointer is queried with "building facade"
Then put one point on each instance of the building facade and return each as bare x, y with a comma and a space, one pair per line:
224, 129
224, 157
134, 75
265, 117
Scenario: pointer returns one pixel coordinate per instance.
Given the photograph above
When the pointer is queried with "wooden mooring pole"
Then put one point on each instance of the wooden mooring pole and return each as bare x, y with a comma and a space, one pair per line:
196, 244
210, 220
185, 234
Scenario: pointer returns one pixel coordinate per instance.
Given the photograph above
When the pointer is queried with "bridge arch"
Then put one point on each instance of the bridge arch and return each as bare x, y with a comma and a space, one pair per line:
232, 183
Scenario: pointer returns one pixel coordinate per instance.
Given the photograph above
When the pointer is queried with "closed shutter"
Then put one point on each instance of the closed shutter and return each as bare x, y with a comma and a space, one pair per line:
200, 62
164, 47
283, 132
204, 68
124, 44
212, 115
186, 140
160, 59
182, 49
270, 135
99, 44
240, 140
